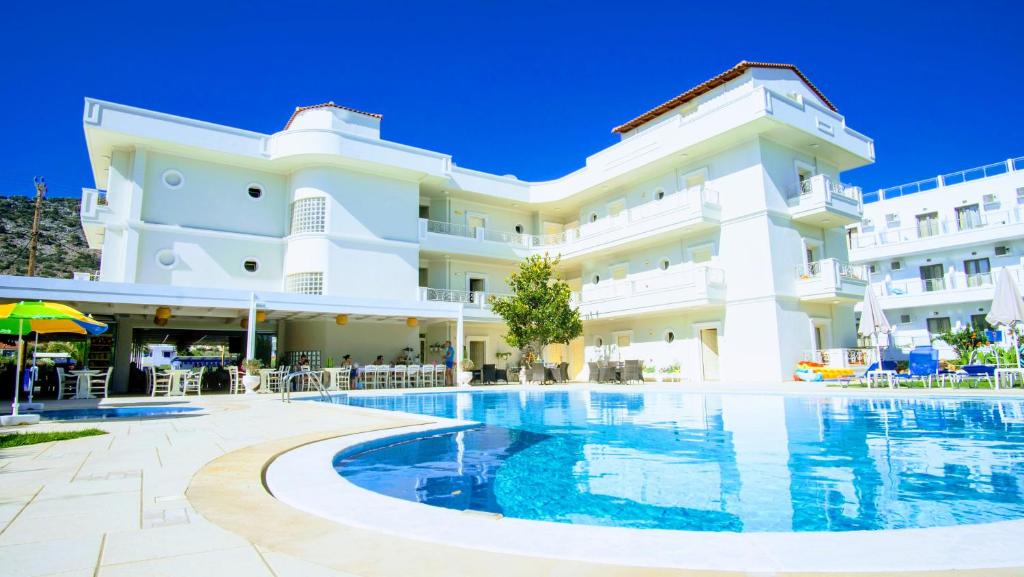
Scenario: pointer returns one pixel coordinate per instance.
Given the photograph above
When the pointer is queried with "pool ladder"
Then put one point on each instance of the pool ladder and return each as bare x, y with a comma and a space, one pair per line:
311, 377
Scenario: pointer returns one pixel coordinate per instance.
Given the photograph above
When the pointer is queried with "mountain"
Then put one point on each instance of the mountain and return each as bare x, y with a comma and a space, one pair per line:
61, 250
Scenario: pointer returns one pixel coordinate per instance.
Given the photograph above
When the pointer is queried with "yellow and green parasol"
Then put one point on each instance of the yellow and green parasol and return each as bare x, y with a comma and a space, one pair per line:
42, 317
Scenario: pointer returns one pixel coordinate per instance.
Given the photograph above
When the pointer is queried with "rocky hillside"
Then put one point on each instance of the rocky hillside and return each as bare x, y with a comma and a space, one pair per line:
62, 249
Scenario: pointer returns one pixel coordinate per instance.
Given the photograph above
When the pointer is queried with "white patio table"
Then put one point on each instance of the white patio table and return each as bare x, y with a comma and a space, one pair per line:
1008, 373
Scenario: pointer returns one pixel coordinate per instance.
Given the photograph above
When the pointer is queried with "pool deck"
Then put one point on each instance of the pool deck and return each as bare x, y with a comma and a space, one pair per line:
186, 495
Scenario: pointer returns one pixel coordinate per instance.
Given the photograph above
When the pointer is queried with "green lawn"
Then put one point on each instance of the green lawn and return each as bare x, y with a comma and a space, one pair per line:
22, 439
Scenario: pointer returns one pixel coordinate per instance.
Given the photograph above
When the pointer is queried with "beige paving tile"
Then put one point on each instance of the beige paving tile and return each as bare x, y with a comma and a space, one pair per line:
170, 541
238, 562
102, 503
95, 522
50, 557
288, 566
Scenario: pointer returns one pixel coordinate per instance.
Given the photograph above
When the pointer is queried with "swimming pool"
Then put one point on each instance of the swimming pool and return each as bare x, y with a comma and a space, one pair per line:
707, 461
113, 413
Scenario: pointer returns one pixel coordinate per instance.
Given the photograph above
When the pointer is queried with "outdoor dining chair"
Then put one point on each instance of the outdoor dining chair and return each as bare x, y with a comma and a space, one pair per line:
99, 384
159, 383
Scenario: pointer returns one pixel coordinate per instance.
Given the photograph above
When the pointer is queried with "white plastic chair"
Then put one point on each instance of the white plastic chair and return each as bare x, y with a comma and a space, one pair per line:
100, 384
414, 375
65, 387
236, 381
401, 379
159, 383
343, 379
370, 376
427, 376
193, 381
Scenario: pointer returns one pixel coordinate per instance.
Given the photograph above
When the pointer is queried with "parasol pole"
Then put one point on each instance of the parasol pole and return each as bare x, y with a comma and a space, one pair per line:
35, 369
17, 370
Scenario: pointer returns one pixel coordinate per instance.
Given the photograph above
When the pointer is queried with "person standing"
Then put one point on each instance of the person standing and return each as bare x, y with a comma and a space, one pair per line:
449, 363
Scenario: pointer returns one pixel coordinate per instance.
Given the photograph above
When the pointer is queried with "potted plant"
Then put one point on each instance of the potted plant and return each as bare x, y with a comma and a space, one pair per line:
503, 357
466, 374
251, 380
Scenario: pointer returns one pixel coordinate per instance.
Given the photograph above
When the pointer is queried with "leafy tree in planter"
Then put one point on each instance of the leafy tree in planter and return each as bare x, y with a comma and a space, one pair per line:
538, 312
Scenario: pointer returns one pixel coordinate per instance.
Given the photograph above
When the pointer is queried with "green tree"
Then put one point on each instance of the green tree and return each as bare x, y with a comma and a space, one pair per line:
539, 311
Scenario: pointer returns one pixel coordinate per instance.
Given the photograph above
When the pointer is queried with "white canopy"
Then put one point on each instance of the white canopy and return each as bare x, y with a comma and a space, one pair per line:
1007, 307
873, 322
872, 319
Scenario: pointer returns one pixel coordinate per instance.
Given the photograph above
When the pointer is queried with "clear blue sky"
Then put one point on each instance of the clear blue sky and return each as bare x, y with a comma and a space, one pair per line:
528, 88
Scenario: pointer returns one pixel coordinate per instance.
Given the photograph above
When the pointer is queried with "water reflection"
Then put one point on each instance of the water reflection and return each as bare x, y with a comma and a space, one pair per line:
709, 462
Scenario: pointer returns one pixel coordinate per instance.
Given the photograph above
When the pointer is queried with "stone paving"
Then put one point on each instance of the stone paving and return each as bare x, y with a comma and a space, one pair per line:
116, 504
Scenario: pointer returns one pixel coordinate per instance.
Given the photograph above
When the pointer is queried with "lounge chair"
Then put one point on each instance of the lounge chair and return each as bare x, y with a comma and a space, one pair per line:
923, 365
978, 372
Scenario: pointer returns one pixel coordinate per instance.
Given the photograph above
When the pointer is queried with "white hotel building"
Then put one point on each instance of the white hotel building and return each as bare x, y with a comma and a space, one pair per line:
712, 236
934, 247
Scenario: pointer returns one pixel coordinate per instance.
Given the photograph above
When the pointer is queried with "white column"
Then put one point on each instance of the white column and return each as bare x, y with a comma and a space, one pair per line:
459, 330
250, 332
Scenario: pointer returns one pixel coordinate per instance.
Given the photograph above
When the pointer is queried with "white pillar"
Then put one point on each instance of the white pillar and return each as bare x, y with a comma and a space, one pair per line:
459, 330
250, 332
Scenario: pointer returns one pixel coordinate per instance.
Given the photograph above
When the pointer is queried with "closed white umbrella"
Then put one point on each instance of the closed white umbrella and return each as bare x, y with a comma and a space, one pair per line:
873, 322
1007, 308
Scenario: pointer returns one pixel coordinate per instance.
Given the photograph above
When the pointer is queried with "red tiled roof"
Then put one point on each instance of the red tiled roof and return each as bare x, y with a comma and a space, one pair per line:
713, 83
299, 109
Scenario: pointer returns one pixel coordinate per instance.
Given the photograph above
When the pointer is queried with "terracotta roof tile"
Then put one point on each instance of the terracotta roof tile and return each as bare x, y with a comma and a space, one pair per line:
299, 109
713, 83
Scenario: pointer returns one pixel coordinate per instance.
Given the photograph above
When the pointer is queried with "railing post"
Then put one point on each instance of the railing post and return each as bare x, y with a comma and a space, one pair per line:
423, 228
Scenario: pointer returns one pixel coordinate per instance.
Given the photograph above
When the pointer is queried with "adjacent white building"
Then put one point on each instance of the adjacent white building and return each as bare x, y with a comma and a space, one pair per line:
710, 238
934, 247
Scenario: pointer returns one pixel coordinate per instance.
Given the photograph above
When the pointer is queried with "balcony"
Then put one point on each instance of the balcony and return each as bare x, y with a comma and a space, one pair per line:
692, 210
698, 287
476, 304
831, 281
94, 214
820, 202
954, 288
931, 235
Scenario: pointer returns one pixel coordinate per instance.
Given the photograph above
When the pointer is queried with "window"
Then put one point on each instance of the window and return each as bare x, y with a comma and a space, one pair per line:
309, 215
968, 217
895, 266
699, 254
623, 341
595, 279
1002, 250
932, 277
659, 194
1020, 195
251, 265
166, 258
519, 229
892, 220
872, 268
938, 325
307, 283
664, 264
980, 323
978, 272
598, 342
927, 224
670, 336
424, 211
172, 178
906, 319
255, 191
593, 217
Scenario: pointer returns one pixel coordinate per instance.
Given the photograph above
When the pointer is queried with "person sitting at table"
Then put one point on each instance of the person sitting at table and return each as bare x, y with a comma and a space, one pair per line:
304, 363
346, 361
379, 360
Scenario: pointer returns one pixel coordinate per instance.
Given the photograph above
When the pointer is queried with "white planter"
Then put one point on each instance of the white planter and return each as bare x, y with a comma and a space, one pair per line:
465, 377
250, 382
12, 420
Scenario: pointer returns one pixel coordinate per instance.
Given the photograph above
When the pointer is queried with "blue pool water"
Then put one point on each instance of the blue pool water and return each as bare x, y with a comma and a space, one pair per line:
113, 413
707, 462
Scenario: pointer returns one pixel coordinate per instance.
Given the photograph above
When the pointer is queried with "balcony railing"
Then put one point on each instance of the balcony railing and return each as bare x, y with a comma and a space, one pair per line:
809, 187
955, 281
842, 270
478, 299
696, 279
692, 200
933, 228
976, 173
